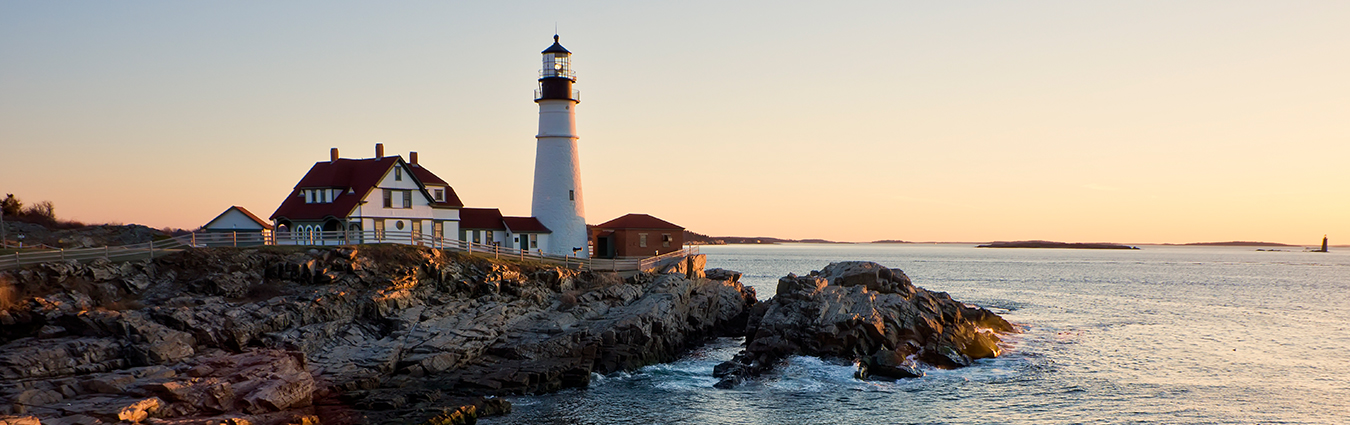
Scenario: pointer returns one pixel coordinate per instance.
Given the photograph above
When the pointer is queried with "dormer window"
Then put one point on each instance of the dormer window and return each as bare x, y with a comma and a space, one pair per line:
440, 195
398, 174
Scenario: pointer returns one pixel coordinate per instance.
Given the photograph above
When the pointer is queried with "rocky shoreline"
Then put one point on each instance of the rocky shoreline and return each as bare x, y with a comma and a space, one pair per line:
400, 334
374, 334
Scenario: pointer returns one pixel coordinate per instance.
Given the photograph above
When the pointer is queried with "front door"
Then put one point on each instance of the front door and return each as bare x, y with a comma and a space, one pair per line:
524, 241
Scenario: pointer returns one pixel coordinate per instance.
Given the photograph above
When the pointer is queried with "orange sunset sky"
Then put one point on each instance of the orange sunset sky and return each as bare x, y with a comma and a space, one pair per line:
1130, 122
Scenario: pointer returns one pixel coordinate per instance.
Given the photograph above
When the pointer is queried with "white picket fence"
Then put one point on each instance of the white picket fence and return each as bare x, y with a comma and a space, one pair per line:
332, 238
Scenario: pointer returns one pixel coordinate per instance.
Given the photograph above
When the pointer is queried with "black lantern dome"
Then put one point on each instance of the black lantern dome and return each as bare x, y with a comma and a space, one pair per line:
556, 76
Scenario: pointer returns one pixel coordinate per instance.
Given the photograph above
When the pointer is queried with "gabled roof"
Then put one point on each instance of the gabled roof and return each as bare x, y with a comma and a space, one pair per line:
481, 218
428, 178
360, 176
524, 225
638, 221
246, 213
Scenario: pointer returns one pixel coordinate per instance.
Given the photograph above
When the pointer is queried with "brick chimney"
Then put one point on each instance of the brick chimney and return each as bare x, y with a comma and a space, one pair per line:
412, 157
333, 155
379, 150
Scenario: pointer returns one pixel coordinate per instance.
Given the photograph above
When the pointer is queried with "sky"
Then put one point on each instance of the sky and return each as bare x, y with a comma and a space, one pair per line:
1133, 122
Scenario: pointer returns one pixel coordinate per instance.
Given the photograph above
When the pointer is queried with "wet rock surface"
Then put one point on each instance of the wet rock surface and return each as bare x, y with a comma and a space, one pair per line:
866, 313
372, 334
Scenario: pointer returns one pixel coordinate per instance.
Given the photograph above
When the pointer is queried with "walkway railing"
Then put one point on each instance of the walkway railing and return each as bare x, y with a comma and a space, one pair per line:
330, 238
131, 252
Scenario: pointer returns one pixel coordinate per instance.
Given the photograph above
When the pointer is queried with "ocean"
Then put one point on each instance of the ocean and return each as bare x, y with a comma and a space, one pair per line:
1165, 334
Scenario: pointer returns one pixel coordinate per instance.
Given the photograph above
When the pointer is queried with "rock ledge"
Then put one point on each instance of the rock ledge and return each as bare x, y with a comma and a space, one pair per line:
866, 313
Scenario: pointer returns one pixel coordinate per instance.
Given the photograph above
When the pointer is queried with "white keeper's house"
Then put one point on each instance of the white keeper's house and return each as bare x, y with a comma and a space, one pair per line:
387, 199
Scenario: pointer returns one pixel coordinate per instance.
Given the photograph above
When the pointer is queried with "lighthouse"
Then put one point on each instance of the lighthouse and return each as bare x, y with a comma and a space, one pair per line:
557, 201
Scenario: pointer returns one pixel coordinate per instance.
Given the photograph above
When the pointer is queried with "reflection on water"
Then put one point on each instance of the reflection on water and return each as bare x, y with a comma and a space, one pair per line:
1161, 335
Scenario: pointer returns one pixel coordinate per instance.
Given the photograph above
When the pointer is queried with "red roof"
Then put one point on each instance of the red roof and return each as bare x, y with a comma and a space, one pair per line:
428, 178
638, 221
525, 225
425, 176
481, 218
359, 175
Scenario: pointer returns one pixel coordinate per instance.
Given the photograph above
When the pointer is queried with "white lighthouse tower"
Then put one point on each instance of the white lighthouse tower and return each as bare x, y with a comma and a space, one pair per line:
557, 166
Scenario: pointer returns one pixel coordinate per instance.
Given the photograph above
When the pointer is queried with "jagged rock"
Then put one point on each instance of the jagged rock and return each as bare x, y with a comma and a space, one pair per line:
108, 384
864, 312
723, 274
209, 394
696, 263
141, 410
887, 364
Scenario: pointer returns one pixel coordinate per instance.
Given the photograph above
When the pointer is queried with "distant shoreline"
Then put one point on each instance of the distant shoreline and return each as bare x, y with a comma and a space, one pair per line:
1051, 244
1234, 243
692, 238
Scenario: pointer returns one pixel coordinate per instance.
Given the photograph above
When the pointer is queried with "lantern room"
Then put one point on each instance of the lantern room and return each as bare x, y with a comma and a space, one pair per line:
556, 75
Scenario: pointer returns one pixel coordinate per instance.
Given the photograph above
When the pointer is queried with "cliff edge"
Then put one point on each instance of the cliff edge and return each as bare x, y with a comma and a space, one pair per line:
371, 334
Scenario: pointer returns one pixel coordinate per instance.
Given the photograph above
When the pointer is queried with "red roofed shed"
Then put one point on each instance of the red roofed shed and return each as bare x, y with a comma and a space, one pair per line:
636, 235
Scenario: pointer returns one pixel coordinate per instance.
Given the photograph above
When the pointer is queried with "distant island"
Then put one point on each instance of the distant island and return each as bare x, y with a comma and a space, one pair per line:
1050, 244
891, 241
693, 238
1236, 243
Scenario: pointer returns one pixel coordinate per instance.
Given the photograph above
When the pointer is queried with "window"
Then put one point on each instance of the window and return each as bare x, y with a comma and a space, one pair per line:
665, 240
417, 228
642, 240
437, 229
487, 237
379, 228
571, 195
309, 197
462, 237
476, 237
534, 242
440, 195
398, 224
407, 199
388, 198
327, 195
398, 174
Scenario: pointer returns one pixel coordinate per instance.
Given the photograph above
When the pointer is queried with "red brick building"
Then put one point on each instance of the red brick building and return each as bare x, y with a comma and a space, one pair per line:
635, 235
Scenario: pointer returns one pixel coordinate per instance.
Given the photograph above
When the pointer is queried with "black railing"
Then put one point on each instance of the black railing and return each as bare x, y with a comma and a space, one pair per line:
539, 94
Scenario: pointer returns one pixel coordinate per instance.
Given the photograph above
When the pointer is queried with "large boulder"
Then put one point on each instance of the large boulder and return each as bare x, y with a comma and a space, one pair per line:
868, 313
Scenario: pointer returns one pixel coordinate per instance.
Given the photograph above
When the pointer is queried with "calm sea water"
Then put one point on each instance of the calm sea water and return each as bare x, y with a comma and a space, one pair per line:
1175, 335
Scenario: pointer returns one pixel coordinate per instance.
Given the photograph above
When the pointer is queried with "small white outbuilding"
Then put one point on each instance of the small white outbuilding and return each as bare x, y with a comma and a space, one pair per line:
237, 219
